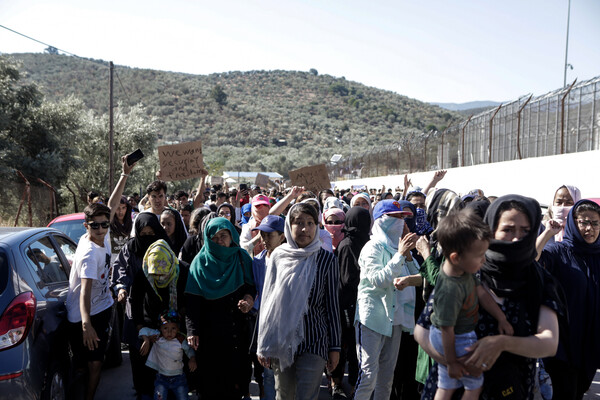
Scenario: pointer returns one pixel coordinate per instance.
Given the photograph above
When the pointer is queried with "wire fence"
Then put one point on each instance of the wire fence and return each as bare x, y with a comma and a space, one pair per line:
566, 120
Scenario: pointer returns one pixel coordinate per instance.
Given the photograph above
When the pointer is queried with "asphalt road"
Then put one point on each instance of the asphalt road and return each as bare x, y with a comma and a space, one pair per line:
116, 383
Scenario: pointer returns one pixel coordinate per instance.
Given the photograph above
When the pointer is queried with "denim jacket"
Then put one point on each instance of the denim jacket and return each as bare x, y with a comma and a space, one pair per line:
377, 297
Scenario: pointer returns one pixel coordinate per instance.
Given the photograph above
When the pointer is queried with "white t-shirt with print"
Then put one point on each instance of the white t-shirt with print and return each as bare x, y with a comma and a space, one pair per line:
93, 262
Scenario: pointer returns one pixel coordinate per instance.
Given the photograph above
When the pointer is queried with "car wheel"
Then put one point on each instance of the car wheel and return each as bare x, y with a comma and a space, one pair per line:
54, 386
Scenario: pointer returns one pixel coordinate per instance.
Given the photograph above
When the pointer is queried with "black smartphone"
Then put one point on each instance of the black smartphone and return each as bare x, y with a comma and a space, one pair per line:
134, 157
243, 186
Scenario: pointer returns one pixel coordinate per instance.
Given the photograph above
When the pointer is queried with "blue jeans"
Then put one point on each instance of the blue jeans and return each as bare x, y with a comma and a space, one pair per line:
461, 342
177, 384
301, 380
269, 384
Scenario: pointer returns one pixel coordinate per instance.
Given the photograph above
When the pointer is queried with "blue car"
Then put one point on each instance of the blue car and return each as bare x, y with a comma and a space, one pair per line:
35, 359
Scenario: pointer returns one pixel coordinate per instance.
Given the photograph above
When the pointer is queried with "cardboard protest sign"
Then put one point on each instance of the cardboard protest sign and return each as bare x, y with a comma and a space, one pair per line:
261, 180
216, 180
313, 178
181, 161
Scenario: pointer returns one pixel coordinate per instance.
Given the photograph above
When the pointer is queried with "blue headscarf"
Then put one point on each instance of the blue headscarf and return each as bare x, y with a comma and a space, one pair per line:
410, 222
245, 209
572, 237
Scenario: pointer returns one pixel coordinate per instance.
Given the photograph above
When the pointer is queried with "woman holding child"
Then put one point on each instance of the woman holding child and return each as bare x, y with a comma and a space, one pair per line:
526, 294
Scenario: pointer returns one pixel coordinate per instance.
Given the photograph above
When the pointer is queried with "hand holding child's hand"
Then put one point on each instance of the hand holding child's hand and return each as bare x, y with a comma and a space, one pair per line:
192, 364
145, 348
505, 328
456, 370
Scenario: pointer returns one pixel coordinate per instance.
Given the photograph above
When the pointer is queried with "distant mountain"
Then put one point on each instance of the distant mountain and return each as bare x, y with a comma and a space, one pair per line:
468, 106
255, 120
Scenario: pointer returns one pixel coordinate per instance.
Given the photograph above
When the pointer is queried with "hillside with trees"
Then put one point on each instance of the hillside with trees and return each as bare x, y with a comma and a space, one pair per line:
256, 120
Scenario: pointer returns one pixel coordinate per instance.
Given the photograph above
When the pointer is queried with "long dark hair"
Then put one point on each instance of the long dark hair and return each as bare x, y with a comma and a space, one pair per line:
124, 229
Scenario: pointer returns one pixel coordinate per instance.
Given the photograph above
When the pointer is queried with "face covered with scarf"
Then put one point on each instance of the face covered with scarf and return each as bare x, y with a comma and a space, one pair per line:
147, 231
564, 199
161, 268
333, 220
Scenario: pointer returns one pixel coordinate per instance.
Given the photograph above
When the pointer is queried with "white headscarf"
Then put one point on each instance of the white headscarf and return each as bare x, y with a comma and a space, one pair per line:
387, 230
289, 277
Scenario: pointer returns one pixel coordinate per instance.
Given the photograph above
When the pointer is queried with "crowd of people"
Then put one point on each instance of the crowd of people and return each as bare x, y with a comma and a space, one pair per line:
417, 293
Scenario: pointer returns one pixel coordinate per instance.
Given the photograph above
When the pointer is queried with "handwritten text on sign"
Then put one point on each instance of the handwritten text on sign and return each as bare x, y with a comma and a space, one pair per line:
181, 161
312, 178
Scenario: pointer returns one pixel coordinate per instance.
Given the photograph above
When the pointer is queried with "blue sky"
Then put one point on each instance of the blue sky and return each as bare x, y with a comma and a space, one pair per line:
436, 51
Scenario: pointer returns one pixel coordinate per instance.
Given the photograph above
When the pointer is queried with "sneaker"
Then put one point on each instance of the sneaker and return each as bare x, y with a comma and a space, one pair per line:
338, 393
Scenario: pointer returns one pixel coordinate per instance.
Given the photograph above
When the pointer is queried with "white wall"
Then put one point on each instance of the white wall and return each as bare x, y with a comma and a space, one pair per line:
533, 177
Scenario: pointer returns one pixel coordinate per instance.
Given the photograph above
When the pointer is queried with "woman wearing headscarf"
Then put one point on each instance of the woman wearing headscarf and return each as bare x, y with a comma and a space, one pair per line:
299, 319
246, 214
173, 224
565, 197
527, 295
333, 222
386, 299
220, 291
575, 262
159, 286
249, 239
125, 268
227, 211
357, 225
193, 244
324, 236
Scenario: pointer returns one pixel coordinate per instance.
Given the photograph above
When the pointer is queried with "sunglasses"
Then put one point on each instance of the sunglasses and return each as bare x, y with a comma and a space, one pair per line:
97, 225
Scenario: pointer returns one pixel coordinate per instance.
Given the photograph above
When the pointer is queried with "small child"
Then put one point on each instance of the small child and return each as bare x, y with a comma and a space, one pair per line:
464, 239
166, 357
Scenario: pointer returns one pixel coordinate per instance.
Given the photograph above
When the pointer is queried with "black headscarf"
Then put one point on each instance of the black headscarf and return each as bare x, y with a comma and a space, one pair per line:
231, 216
180, 234
356, 228
479, 207
139, 244
510, 269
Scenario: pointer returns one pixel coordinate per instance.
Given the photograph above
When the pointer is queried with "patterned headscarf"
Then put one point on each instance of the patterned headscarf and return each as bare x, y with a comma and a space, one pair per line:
161, 267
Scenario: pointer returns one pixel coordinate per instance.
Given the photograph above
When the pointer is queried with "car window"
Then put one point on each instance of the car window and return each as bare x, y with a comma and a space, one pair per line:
68, 250
73, 229
45, 262
3, 271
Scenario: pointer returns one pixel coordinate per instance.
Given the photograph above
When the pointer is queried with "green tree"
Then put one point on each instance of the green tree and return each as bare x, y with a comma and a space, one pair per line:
36, 137
133, 129
218, 94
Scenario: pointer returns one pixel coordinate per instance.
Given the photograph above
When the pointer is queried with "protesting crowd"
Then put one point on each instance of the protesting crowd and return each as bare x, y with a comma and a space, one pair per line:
416, 293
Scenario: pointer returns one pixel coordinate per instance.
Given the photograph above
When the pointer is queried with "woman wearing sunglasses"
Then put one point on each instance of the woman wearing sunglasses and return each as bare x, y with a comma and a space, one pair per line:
333, 222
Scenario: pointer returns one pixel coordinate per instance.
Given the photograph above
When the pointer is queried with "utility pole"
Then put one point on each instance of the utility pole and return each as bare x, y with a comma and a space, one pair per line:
567, 46
110, 130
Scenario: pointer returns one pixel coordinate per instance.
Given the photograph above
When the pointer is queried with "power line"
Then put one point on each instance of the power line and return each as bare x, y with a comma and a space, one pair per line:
123, 87
39, 41
71, 54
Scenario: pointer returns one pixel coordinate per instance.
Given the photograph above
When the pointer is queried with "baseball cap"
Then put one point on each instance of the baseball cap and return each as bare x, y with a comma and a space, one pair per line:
271, 223
389, 207
260, 199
